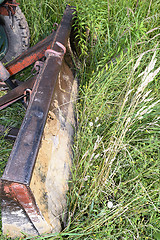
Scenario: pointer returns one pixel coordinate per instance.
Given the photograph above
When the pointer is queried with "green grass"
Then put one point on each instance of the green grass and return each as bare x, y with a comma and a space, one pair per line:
116, 150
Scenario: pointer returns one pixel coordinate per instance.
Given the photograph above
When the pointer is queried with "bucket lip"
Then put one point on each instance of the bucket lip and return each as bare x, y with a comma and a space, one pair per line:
23, 196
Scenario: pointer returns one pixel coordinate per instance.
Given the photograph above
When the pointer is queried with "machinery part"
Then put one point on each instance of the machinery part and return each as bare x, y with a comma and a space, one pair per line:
8, 8
4, 77
30, 56
9, 133
38, 66
27, 96
4, 74
20, 63
34, 183
14, 32
16, 65
55, 53
16, 93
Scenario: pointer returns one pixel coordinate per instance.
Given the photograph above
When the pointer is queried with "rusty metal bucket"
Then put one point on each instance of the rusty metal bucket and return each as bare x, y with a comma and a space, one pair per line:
35, 181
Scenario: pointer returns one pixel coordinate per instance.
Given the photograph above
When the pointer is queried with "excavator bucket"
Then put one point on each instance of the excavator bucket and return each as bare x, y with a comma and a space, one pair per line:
35, 181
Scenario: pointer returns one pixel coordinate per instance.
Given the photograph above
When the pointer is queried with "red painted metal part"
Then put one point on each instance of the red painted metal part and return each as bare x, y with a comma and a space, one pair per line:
23, 196
30, 56
8, 7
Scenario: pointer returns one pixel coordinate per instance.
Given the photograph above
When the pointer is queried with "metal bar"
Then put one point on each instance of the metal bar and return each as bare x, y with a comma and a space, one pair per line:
16, 93
30, 56
20, 166
9, 133
10, 84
